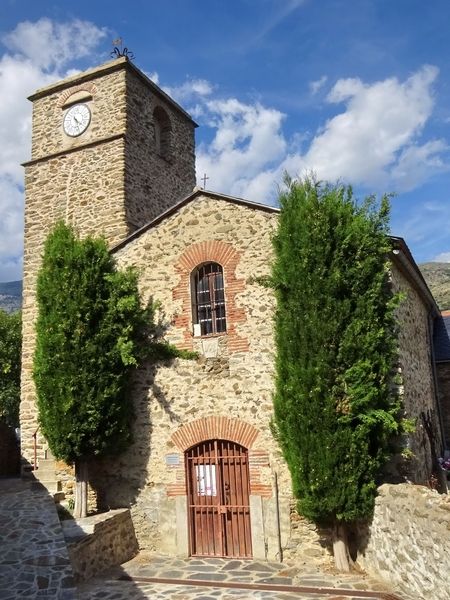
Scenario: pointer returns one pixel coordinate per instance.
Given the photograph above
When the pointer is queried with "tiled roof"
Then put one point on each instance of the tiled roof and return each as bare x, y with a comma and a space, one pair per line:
442, 337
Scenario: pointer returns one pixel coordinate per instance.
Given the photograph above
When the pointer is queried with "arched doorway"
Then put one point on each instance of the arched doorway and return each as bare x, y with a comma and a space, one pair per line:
218, 488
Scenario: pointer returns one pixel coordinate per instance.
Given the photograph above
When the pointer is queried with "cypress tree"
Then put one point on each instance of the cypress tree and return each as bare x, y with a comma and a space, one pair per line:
87, 343
334, 409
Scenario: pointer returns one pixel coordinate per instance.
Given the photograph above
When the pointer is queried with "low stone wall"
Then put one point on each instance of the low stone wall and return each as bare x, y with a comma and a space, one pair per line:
99, 542
407, 541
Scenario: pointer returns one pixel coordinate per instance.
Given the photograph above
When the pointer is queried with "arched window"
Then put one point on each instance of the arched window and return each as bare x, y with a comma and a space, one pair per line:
163, 132
208, 300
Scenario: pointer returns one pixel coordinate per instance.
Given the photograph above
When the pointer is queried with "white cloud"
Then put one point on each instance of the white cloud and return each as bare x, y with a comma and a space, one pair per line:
317, 85
247, 140
374, 141
47, 44
42, 53
443, 257
381, 120
190, 89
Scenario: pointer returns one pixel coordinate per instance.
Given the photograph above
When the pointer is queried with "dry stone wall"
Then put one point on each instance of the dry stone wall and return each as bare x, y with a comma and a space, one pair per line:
99, 542
407, 541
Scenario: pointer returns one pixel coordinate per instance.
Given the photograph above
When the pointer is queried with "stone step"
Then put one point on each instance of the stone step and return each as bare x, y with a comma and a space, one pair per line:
51, 485
46, 462
45, 473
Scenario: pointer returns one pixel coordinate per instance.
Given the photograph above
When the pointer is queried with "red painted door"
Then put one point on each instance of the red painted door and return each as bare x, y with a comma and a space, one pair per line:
218, 496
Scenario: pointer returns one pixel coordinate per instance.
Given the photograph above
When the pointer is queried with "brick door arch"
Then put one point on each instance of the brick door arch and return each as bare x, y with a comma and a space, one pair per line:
244, 436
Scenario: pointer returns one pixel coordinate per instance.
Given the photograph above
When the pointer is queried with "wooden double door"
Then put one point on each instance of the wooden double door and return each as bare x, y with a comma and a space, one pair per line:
218, 499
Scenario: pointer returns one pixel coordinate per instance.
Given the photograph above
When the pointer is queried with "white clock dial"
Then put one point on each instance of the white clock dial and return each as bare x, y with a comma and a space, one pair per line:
77, 119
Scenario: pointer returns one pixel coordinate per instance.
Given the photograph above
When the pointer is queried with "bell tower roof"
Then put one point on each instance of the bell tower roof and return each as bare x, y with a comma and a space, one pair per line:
114, 65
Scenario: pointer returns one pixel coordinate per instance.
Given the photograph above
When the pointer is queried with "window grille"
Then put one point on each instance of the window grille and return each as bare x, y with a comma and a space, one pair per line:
209, 297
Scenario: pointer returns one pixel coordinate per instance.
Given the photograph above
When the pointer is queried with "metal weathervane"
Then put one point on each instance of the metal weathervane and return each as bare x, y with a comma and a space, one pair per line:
119, 50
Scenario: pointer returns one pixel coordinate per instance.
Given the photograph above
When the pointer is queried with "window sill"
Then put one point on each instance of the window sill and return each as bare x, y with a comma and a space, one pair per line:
209, 336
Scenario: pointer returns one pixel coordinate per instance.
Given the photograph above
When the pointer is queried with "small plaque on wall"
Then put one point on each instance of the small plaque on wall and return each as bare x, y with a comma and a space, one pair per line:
210, 347
173, 460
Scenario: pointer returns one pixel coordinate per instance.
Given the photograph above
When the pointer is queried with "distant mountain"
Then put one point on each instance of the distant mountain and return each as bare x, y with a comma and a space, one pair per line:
11, 296
437, 276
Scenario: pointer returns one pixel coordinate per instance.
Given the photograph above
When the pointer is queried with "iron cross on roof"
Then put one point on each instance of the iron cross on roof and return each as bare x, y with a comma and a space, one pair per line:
204, 179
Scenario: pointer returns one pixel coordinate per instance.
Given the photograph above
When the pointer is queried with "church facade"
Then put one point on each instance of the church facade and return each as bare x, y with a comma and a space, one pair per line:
113, 155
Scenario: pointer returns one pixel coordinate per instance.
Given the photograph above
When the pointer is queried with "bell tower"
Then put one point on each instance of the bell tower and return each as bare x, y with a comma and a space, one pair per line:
110, 152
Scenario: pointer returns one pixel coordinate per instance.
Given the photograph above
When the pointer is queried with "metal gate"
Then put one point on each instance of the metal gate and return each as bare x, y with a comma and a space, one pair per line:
218, 496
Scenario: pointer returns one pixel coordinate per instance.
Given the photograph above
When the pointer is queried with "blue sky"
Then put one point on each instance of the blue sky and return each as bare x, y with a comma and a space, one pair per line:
358, 91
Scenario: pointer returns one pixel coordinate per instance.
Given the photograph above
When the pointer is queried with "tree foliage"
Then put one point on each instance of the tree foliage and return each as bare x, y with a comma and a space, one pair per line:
88, 330
10, 351
336, 347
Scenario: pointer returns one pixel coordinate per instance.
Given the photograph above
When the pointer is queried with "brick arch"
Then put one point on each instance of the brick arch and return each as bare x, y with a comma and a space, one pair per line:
83, 87
225, 428
209, 251
228, 257
208, 428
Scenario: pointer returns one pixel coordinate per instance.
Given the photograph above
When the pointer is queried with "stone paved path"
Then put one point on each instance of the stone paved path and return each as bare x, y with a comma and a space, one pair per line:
34, 562
158, 578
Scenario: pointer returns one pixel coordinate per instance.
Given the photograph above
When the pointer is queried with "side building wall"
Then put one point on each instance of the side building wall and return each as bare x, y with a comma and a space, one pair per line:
443, 374
154, 183
417, 387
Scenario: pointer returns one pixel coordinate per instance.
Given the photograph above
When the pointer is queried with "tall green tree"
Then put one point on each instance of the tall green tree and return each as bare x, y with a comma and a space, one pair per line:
10, 352
336, 348
88, 328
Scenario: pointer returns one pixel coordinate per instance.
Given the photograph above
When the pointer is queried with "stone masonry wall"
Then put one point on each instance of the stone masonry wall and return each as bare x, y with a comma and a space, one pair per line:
232, 386
407, 541
83, 185
443, 374
154, 183
106, 98
418, 386
99, 542
224, 382
84, 181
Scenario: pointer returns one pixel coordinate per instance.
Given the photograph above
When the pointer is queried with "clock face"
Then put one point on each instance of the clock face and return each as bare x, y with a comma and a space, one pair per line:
77, 119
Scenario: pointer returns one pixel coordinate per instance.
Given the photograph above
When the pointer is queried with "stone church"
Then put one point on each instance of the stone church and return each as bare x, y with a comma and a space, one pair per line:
114, 155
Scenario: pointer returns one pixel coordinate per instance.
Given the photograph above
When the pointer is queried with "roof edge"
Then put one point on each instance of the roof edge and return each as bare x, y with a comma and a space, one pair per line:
194, 194
109, 67
401, 254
